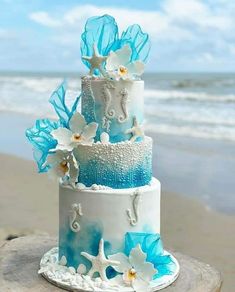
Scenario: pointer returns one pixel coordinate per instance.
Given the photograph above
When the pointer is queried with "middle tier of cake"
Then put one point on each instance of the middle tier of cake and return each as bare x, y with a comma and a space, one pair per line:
119, 165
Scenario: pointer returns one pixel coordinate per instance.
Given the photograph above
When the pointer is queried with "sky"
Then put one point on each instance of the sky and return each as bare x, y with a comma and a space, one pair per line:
186, 35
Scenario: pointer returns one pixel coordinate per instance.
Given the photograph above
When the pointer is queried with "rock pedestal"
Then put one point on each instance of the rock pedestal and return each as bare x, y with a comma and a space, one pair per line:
19, 264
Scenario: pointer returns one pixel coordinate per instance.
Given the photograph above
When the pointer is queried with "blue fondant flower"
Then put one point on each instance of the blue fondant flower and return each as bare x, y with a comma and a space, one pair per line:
136, 271
63, 164
103, 32
151, 244
119, 64
79, 132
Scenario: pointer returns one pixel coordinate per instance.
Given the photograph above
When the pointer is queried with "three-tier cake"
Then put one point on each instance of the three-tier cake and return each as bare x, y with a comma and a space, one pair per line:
109, 203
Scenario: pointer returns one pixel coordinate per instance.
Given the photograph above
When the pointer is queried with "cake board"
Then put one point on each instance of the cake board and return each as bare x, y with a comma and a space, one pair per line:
66, 278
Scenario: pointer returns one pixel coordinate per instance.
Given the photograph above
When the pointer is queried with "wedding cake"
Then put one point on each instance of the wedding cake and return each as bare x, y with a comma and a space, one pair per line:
109, 203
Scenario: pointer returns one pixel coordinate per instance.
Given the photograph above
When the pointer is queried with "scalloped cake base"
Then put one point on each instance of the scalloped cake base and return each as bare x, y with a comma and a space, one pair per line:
66, 278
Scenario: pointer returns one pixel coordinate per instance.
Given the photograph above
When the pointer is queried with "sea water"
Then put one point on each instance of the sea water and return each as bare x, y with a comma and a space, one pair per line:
197, 105
190, 116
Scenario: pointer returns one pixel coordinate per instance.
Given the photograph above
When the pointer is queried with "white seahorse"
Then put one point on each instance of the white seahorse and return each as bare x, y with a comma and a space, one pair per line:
135, 204
75, 213
123, 101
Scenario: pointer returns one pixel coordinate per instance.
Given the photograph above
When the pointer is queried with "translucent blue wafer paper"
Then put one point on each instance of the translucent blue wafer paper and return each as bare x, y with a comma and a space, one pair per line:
138, 42
40, 134
151, 244
57, 99
103, 32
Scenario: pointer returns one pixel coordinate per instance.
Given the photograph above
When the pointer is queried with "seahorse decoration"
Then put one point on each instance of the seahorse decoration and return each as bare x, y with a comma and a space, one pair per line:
135, 205
124, 98
75, 214
107, 97
89, 106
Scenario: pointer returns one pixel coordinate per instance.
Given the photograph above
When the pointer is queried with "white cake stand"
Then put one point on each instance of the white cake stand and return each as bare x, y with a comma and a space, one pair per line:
66, 278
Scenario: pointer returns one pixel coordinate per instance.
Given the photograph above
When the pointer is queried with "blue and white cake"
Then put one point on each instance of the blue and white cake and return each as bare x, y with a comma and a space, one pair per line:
109, 203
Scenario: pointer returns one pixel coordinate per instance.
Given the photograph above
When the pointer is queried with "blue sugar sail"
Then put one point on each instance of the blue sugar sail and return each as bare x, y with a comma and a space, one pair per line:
103, 31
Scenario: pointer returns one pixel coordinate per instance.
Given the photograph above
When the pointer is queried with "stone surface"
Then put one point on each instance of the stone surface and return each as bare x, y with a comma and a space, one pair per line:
19, 263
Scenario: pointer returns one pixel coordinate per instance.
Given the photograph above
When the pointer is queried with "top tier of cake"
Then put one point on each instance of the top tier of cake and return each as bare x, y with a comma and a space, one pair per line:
115, 105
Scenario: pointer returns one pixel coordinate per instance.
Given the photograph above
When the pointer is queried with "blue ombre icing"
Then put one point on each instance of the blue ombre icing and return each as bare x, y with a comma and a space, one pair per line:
119, 165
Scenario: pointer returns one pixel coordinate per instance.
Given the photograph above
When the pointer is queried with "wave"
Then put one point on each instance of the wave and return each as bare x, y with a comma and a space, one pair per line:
151, 94
221, 133
207, 116
203, 83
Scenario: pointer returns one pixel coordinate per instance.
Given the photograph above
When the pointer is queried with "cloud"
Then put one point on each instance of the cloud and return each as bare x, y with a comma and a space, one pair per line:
183, 33
44, 19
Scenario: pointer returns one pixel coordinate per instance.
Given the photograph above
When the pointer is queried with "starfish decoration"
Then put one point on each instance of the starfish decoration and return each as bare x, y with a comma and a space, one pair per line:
99, 263
96, 61
136, 131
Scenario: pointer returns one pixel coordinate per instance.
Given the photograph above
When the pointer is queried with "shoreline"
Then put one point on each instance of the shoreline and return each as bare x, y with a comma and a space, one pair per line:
29, 201
197, 168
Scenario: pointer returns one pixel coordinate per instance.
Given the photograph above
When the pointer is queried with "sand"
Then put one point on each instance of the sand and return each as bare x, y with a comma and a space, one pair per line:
29, 204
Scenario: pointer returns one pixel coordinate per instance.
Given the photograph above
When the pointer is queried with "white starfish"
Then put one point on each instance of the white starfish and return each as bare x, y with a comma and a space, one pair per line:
99, 263
96, 61
136, 131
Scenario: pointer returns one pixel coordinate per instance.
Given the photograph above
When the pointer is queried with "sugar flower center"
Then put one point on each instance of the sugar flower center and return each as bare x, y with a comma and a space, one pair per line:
64, 166
131, 274
122, 70
76, 137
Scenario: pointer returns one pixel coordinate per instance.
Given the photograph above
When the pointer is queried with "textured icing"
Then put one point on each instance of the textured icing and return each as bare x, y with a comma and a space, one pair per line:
113, 105
105, 216
119, 165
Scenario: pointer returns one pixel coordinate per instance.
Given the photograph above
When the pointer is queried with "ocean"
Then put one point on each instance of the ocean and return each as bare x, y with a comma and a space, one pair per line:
191, 118
194, 105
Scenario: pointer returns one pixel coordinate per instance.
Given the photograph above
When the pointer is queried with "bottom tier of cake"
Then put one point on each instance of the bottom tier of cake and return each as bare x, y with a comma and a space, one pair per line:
88, 215
109, 240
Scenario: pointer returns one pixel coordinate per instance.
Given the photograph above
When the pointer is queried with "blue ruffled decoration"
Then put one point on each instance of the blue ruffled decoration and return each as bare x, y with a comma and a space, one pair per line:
151, 244
138, 42
39, 136
57, 99
103, 31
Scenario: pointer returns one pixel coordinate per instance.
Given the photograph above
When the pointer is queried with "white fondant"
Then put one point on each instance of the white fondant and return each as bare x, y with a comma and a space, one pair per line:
95, 61
75, 214
107, 88
136, 198
81, 269
99, 263
136, 131
124, 98
104, 138
63, 261
111, 211
62, 277
136, 271
106, 93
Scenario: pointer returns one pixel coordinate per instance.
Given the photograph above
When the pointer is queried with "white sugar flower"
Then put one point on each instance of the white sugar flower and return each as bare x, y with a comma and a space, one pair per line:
119, 64
79, 133
136, 272
63, 164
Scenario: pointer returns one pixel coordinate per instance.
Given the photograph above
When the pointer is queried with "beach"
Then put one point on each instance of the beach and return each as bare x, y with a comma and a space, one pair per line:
29, 204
